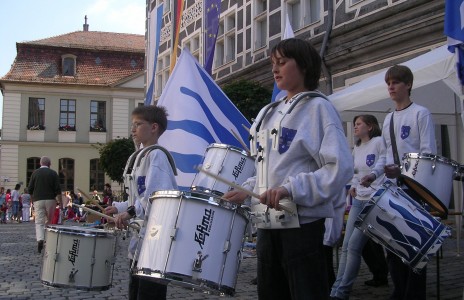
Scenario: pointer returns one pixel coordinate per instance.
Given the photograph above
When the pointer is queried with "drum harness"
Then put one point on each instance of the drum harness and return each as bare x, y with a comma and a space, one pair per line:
260, 140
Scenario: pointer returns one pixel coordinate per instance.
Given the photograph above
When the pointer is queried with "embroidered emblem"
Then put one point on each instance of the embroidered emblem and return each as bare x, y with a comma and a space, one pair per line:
405, 130
370, 159
286, 139
141, 185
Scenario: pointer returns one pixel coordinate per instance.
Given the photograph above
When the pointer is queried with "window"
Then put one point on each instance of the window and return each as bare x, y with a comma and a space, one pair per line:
162, 74
67, 115
98, 116
225, 45
36, 114
97, 176
303, 12
66, 174
33, 163
193, 44
69, 65
260, 23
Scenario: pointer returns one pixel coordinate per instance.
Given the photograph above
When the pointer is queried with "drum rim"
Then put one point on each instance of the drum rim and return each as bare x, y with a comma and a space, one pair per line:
79, 230
430, 156
227, 147
438, 206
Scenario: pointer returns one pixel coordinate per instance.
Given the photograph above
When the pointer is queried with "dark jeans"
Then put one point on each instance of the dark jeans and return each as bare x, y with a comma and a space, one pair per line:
142, 289
374, 257
291, 263
328, 254
407, 285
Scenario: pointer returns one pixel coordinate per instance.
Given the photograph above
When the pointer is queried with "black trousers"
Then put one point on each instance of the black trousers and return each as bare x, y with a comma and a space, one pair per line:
142, 289
374, 256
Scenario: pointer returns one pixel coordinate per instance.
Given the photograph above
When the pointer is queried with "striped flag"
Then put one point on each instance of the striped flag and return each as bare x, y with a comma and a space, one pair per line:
199, 114
288, 33
454, 29
212, 11
154, 33
176, 22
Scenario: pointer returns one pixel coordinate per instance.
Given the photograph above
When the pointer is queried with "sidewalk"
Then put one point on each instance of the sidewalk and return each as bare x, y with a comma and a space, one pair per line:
20, 267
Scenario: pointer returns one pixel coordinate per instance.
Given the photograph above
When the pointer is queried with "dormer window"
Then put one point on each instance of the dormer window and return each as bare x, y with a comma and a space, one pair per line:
69, 65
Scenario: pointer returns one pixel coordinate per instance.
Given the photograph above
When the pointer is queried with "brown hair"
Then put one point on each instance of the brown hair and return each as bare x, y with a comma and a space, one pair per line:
400, 73
153, 114
370, 120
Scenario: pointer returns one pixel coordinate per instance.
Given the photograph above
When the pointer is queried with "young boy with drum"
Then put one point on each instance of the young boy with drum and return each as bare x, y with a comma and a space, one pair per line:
303, 157
413, 131
153, 174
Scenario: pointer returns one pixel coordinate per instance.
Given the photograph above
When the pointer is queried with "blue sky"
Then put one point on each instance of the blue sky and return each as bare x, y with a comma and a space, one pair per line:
29, 20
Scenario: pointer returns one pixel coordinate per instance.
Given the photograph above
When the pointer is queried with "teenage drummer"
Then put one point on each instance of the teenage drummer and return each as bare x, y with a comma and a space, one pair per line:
414, 132
153, 174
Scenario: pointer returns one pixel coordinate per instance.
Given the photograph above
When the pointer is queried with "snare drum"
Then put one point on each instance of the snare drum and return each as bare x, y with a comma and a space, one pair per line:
396, 221
431, 177
193, 240
228, 162
78, 257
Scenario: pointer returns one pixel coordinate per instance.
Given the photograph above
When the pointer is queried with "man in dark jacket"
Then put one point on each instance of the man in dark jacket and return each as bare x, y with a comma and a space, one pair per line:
45, 190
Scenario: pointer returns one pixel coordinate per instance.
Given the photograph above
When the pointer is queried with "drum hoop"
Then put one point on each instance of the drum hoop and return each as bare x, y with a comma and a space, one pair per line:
431, 200
165, 193
438, 158
227, 147
81, 231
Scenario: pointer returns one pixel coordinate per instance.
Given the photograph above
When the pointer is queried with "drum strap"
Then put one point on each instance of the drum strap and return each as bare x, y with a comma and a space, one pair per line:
396, 158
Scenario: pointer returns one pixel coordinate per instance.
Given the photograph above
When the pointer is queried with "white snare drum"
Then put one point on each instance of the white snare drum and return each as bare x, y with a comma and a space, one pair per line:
228, 162
431, 177
193, 240
396, 221
78, 257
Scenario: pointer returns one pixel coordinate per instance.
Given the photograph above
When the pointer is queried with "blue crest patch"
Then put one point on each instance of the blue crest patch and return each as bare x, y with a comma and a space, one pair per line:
286, 139
370, 159
141, 184
405, 130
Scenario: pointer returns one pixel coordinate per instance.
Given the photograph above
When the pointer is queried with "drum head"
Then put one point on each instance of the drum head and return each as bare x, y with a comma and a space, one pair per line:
427, 196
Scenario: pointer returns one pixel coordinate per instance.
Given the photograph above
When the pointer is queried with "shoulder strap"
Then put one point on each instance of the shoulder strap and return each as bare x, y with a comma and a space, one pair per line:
396, 158
146, 150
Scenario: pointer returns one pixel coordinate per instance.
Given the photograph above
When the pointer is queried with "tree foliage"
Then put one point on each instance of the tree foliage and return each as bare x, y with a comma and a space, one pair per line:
114, 155
248, 96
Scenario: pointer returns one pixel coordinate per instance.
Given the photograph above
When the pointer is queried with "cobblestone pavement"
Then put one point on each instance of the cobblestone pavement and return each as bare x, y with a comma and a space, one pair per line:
20, 272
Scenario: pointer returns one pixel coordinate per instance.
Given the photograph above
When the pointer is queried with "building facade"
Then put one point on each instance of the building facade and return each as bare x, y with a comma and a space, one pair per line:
63, 96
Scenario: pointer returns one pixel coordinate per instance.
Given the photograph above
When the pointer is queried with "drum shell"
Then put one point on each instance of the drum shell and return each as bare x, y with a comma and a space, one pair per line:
396, 221
87, 252
435, 175
226, 161
203, 225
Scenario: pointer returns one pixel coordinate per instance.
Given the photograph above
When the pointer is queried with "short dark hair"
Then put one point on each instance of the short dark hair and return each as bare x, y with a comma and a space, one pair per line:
153, 114
370, 120
306, 56
400, 73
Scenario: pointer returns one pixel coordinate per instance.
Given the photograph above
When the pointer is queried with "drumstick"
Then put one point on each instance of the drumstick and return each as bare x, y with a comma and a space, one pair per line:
238, 187
109, 218
91, 200
240, 141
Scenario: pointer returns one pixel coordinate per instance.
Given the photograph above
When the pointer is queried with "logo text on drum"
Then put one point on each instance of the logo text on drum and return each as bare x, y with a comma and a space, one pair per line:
205, 227
238, 169
74, 252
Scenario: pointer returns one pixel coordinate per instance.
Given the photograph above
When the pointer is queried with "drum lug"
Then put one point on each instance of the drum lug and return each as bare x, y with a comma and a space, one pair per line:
226, 247
173, 234
72, 274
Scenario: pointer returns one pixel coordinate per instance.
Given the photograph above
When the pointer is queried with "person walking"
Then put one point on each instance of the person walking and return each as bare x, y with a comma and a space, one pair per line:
154, 173
45, 189
369, 159
26, 201
302, 156
15, 203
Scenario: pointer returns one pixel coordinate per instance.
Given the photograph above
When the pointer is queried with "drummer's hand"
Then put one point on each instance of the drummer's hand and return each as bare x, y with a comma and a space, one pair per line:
367, 180
352, 192
121, 220
271, 197
392, 171
235, 196
110, 210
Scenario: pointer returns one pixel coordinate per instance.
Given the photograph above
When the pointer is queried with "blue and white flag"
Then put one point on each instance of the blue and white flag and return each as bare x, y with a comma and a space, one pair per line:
288, 33
454, 25
199, 114
154, 33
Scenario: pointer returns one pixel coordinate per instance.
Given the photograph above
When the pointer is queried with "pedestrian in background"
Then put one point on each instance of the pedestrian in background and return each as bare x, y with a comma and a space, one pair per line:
45, 189
26, 202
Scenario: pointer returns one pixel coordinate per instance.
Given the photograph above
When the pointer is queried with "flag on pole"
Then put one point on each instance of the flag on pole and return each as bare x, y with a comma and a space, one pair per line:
154, 33
212, 11
176, 22
288, 33
199, 114
454, 25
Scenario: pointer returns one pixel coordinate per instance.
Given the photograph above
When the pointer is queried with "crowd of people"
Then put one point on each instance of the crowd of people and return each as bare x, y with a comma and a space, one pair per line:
309, 162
